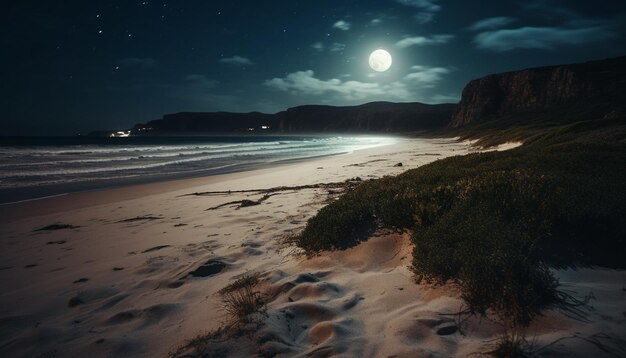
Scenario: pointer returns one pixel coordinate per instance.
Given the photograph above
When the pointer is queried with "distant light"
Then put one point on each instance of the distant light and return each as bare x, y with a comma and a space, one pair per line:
120, 134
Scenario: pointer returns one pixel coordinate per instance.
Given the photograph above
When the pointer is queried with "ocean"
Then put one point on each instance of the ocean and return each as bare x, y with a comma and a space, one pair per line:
35, 167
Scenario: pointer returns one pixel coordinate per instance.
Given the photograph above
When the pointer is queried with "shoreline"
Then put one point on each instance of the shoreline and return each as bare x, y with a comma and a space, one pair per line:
10, 196
71, 200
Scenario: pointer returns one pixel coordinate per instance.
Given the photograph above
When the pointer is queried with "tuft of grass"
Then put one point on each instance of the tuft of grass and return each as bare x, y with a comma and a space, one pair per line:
241, 304
241, 301
512, 344
247, 280
200, 345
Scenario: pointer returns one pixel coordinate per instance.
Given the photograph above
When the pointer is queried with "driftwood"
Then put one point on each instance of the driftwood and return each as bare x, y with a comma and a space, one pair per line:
244, 203
269, 192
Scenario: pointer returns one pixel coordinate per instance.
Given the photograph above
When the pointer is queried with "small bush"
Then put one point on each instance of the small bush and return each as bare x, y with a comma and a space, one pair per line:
338, 225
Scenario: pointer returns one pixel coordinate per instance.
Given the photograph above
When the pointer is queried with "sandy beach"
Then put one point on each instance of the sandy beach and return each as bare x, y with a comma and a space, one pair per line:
118, 272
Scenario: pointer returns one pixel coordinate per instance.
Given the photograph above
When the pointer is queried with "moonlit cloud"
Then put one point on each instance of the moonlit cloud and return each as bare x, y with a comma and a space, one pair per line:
426, 5
236, 61
423, 41
200, 79
342, 25
426, 77
376, 21
424, 17
146, 62
305, 83
544, 38
427, 8
410, 88
318, 46
491, 23
337, 47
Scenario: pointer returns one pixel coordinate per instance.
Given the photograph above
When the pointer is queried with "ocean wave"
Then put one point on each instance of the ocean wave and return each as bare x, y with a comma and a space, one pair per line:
33, 166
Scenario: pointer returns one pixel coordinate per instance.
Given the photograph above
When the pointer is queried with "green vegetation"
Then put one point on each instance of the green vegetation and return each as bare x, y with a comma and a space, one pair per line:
495, 223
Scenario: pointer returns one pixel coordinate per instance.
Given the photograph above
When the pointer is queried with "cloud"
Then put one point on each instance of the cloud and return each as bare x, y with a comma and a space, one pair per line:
376, 21
200, 80
423, 41
236, 61
424, 17
410, 88
426, 5
445, 98
342, 25
318, 46
426, 77
305, 83
492, 23
427, 8
545, 38
549, 8
337, 47
146, 62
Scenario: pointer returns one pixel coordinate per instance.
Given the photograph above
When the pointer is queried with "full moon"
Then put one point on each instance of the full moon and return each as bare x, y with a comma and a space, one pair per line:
380, 60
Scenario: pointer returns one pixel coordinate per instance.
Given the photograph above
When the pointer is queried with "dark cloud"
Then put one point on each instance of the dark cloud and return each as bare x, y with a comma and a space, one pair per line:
236, 61
492, 23
426, 5
427, 8
544, 38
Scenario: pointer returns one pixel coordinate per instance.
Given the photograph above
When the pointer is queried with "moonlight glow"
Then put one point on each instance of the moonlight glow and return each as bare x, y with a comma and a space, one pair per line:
380, 60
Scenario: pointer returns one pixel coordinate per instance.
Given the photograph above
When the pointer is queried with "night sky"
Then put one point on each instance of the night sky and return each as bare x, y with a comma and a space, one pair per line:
69, 67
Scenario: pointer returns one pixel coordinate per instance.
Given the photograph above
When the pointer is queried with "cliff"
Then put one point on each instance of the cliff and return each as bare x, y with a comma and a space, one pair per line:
587, 90
370, 117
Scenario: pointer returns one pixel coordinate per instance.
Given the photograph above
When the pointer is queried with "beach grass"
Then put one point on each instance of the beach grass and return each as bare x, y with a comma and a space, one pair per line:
495, 223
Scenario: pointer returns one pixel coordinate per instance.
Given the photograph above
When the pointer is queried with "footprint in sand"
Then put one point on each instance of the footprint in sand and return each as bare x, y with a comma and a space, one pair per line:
147, 316
210, 268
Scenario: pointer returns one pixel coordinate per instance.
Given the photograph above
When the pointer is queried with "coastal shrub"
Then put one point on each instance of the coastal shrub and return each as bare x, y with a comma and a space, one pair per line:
496, 265
495, 223
337, 226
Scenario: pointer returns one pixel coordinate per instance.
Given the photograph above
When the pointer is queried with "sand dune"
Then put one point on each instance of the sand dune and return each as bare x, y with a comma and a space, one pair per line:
135, 272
